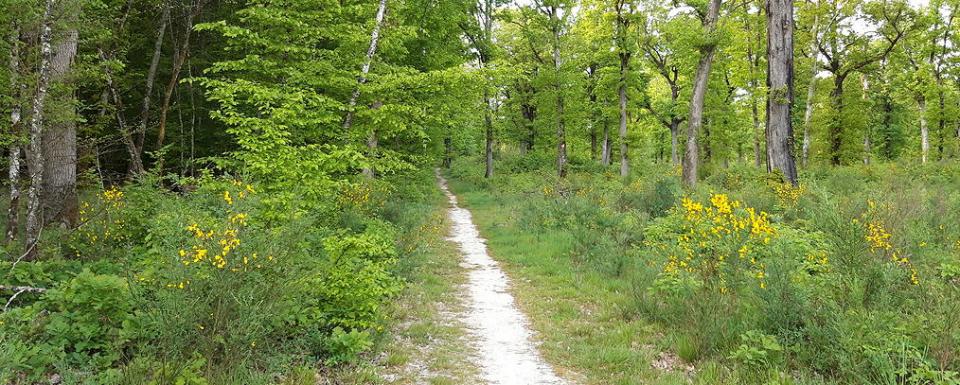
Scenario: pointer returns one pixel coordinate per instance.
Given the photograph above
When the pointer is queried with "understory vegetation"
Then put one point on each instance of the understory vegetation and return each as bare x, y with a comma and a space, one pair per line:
851, 277
232, 282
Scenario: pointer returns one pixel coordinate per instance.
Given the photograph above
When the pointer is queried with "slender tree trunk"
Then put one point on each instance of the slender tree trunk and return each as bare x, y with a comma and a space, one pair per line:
371, 51
674, 142
59, 197
836, 137
178, 61
136, 163
941, 120
755, 111
35, 154
924, 131
447, 151
488, 130
13, 210
691, 158
561, 123
622, 24
867, 139
529, 116
811, 91
622, 94
605, 151
753, 56
674, 125
594, 141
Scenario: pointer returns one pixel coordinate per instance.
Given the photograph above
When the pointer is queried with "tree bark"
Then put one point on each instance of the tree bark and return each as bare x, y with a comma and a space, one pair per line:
691, 158
59, 197
34, 220
17, 87
780, 89
924, 131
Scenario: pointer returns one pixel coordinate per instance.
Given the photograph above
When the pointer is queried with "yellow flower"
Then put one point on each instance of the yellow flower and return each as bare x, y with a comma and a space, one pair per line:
227, 198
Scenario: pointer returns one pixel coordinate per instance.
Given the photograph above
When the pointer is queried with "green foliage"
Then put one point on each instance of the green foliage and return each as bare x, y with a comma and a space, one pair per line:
757, 350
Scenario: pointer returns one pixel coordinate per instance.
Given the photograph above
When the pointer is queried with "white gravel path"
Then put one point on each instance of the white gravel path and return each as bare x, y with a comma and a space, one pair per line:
507, 355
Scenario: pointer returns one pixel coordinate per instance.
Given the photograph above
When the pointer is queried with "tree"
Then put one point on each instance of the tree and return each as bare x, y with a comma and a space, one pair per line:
624, 9
847, 51
557, 12
35, 164
707, 48
812, 53
780, 88
18, 88
655, 45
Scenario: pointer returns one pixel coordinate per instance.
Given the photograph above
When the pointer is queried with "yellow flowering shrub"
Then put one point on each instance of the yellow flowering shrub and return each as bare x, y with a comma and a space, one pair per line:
787, 194
712, 242
880, 241
100, 223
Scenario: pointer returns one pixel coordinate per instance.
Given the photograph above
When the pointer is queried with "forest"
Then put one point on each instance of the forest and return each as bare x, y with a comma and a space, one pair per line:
503, 192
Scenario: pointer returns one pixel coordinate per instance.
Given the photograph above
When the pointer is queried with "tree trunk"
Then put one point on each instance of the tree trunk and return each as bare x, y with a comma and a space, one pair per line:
691, 157
780, 88
488, 129
60, 140
811, 91
35, 153
530, 115
17, 87
371, 51
924, 132
136, 165
622, 25
447, 151
622, 94
867, 143
178, 61
605, 150
836, 137
561, 129
674, 142
755, 111
941, 120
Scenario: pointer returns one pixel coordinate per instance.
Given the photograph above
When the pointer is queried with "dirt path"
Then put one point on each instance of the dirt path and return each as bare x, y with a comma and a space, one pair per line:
502, 336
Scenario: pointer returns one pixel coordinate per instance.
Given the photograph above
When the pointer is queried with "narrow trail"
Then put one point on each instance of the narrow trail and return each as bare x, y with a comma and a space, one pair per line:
506, 353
